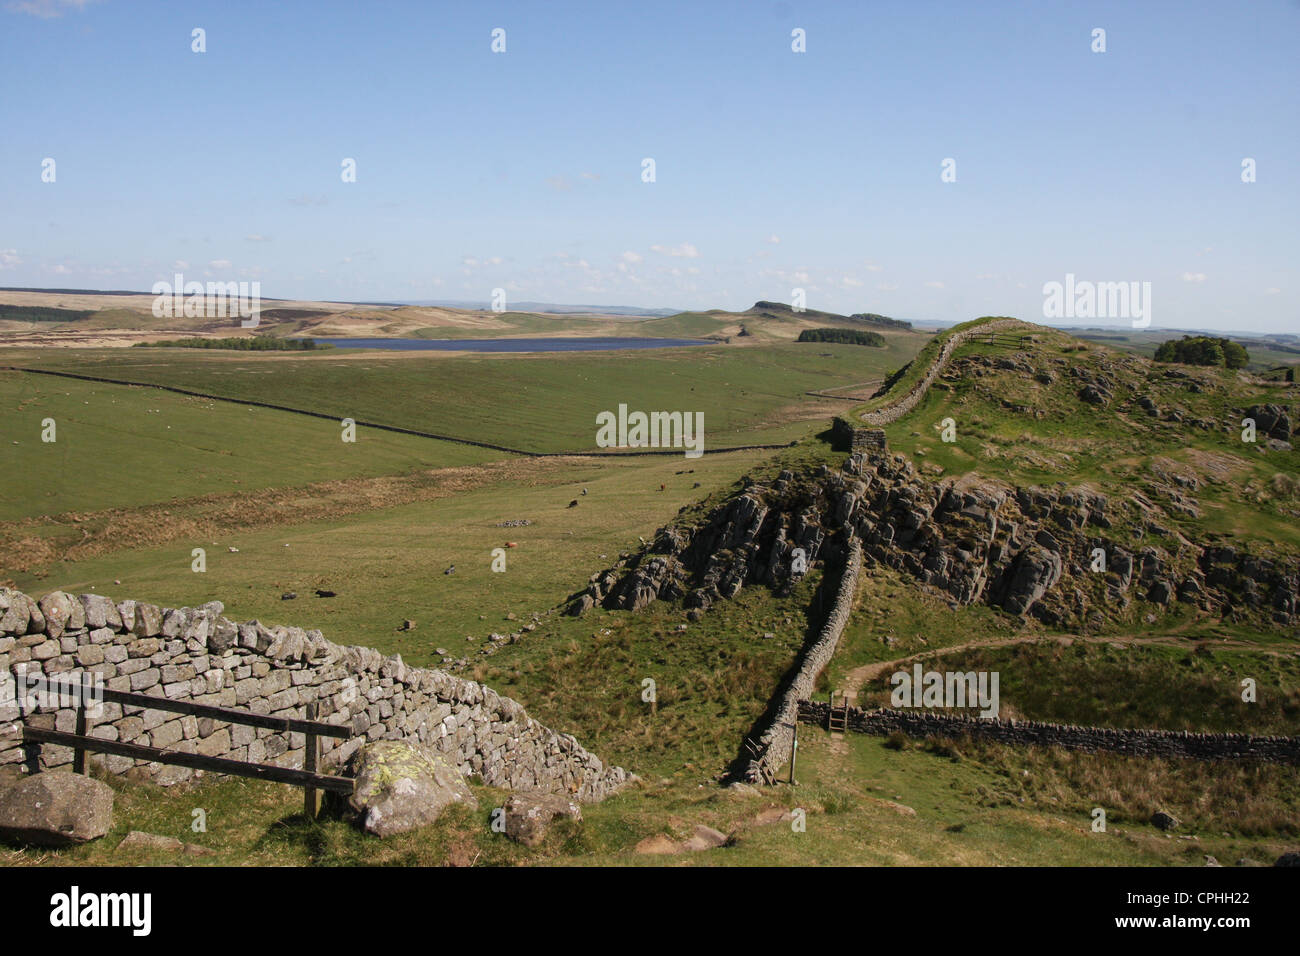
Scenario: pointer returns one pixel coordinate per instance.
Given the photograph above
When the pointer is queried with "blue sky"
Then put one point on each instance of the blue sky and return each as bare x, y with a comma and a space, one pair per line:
774, 169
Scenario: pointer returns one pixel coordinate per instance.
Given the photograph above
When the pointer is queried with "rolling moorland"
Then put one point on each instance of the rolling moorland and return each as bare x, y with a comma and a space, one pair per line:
139, 476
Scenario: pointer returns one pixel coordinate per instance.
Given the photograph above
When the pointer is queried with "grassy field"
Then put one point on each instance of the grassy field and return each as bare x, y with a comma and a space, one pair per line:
536, 402
120, 447
1122, 684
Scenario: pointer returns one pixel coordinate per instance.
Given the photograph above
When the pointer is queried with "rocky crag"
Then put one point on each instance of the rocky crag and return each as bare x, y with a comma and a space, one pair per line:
750, 539
1026, 550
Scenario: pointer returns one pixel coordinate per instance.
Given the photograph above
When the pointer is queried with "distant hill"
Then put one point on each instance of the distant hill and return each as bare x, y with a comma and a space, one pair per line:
883, 321
780, 309
545, 308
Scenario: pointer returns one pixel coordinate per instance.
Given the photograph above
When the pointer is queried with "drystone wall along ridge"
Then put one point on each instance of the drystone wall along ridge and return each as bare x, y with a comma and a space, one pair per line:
197, 655
776, 741
1135, 742
908, 401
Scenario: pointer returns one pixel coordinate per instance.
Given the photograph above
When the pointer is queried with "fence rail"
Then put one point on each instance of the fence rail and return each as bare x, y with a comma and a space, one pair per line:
81, 742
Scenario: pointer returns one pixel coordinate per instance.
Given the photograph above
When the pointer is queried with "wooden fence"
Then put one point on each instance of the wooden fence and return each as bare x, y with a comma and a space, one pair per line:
81, 742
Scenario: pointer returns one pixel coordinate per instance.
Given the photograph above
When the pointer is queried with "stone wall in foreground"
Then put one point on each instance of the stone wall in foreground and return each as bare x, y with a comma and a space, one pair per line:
196, 654
1138, 743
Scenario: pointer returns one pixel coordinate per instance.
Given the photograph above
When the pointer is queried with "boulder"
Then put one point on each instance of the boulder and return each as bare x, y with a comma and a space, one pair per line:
529, 814
1164, 821
56, 809
1271, 421
1290, 858
704, 838
402, 785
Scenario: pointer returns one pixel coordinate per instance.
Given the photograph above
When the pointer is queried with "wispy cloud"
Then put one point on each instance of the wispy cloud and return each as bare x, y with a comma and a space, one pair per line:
46, 9
1193, 276
684, 251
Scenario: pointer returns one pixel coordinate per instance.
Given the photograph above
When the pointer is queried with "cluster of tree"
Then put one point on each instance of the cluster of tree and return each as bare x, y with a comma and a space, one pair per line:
882, 320
38, 313
1203, 350
256, 343
843, 336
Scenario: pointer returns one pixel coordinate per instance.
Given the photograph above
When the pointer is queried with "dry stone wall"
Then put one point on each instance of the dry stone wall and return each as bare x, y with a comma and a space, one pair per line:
196, 654
772, 746
1139, 743
908, 401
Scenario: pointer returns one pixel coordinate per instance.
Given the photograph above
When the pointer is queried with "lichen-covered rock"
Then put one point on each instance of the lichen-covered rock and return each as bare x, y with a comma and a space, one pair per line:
56, 809
401, 785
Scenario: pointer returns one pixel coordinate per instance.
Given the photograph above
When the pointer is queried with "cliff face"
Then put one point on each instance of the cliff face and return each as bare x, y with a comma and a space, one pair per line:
1057, 554
752, 538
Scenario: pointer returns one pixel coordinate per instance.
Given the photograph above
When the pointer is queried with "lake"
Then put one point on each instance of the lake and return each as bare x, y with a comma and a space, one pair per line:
512, 345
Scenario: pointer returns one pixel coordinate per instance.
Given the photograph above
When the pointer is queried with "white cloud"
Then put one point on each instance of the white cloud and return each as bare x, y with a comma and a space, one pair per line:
851, 282
684, 251
1273, 291
256, 237
1193, 276
45, 9
219, 264
180, 265
9, 258
774, 239
886, 287
632, 257
934, 285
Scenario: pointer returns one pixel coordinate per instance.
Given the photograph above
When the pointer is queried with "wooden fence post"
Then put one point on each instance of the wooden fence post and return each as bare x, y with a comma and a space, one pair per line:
794, 748
79, 755
311, 756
